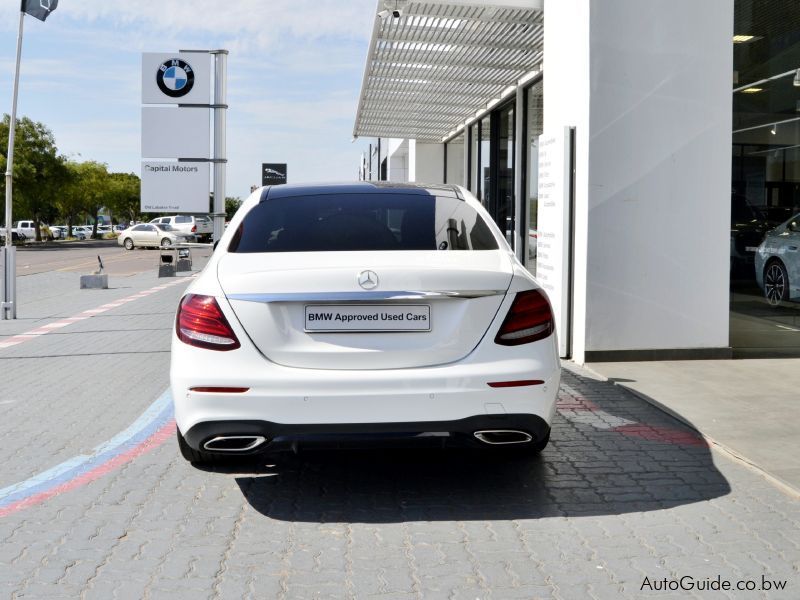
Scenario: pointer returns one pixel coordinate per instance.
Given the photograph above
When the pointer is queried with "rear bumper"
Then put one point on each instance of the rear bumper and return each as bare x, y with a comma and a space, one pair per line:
330, 398
451, 433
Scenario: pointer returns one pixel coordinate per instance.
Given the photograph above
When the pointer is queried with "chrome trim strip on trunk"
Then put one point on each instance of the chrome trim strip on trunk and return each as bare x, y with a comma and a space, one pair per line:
357, 296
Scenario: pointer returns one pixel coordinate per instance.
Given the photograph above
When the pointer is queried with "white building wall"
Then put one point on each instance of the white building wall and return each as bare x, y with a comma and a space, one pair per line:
648, 87
397, 170
455, 164
428, 160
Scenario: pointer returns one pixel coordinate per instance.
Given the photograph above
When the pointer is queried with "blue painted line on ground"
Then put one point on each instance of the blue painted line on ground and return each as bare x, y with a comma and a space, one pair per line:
150, 421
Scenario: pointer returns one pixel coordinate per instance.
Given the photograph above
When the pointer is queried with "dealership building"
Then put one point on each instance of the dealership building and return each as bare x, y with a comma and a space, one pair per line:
634, 153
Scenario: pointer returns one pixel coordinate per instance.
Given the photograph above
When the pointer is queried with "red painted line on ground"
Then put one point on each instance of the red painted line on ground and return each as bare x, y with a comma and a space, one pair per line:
151, 443
565, 402
41, 330
663, 435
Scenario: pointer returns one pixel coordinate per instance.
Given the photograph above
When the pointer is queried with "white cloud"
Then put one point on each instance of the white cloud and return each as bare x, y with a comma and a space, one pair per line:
261, 21
294, 74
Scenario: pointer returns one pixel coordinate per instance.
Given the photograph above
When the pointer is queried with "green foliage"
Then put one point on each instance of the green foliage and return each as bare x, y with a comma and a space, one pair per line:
123, 196
94, 184
231, 206
39, 171
51, 189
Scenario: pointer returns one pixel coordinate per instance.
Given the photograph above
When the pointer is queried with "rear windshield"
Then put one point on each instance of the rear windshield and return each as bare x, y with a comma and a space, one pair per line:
362, 222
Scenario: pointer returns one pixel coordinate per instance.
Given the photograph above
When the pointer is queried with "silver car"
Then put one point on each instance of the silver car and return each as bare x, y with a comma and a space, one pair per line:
778, 263
152, 235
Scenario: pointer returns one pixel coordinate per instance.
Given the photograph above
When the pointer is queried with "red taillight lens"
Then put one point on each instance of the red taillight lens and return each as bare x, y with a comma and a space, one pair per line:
529, 319
194, 228
200, 322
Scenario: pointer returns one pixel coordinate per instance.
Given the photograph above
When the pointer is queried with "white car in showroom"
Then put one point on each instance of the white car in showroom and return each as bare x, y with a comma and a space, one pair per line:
778, 263
362, 311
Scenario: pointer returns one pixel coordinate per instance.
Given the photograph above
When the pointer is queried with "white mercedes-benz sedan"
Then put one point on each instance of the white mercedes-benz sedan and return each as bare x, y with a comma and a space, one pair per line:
333, 313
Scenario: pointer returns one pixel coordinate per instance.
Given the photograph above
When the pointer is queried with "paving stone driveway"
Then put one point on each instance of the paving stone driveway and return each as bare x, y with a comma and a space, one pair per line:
623, 493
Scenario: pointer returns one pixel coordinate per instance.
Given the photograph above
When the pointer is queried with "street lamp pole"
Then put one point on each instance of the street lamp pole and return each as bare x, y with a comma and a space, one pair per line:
8, 307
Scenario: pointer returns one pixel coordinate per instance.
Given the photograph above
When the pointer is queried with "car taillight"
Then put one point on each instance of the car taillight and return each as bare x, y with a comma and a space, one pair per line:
529, 319
194, 228
200, 322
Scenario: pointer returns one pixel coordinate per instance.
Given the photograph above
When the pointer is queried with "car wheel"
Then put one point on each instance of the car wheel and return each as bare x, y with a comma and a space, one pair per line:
166, 242
192, 455
128, 244
776, 283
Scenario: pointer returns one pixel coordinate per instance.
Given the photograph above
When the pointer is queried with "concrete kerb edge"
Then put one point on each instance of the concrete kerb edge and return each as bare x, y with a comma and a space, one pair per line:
721, 448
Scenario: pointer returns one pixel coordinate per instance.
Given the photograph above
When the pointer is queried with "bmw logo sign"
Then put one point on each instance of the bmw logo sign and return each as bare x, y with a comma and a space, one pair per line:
175, 78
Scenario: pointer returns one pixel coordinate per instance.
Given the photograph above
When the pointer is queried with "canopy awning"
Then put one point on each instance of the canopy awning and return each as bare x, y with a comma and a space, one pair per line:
441, 62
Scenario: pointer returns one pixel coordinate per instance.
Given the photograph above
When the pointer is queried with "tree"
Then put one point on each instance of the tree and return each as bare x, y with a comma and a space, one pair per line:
39, 171
94, 185
231, 206
123, 195
70, 201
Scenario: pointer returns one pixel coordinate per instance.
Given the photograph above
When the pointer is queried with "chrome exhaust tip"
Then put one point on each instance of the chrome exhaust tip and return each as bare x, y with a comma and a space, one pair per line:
503, 436
234, 443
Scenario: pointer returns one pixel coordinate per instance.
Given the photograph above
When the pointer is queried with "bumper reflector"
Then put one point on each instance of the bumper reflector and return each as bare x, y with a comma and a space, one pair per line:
519, 383
220, 390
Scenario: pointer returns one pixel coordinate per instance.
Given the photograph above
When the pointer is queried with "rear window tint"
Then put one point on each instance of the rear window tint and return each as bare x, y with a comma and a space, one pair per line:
362, 222
183, 219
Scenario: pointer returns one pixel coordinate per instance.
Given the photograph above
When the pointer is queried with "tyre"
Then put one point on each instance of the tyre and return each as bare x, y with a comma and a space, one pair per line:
776, 283
192, 455
166, 242
128, 243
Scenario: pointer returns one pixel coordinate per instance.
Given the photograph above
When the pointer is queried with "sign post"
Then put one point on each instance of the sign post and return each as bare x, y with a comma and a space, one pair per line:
181, 131
220, 125
553, 242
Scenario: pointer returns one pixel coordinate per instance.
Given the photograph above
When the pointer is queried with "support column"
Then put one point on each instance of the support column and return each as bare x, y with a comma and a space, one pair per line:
647, 85
220, 152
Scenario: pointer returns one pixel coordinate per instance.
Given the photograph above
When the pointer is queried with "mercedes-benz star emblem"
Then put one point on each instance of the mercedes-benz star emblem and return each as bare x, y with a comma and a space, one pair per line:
368, 280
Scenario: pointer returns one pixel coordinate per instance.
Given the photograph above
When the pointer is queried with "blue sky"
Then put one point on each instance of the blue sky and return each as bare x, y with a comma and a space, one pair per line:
294, 73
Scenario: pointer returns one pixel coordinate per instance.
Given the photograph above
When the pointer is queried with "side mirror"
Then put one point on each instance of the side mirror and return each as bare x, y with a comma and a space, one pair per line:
793, 226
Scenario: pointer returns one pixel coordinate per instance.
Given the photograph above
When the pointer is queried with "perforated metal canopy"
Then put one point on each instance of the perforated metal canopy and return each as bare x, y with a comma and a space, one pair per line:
440, 62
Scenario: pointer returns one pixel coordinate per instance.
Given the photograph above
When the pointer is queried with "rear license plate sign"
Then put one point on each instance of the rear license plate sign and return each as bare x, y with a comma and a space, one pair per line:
354, 318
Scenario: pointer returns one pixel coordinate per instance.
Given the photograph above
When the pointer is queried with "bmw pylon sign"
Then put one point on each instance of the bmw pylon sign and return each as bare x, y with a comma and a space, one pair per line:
175, 77
179, 78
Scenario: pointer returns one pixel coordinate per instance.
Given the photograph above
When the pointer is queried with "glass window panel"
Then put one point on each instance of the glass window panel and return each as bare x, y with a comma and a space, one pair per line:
504, 209
765, 175
533, 129
485, 157
473, 176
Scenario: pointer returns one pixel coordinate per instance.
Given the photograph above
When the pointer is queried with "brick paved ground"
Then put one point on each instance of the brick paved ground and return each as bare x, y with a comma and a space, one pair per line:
622, 493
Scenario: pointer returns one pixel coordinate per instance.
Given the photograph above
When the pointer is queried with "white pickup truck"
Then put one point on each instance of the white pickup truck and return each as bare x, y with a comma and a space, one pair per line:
26, 230
200, 227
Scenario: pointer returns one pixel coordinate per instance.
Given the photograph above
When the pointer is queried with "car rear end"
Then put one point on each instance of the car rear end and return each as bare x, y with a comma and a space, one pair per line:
363, 312
202, 228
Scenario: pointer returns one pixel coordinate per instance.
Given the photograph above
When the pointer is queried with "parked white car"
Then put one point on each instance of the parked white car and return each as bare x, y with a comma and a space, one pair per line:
362, 310
82, 230
27, 230
201, 227
777, 263
150, 235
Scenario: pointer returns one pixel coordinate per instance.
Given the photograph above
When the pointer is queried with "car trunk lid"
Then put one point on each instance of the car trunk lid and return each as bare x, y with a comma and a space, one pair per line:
410, 309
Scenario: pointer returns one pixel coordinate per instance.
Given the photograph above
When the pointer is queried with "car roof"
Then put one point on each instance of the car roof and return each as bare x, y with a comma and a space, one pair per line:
359, 187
